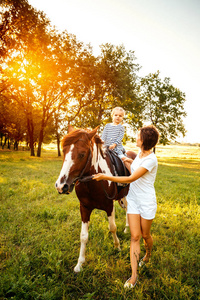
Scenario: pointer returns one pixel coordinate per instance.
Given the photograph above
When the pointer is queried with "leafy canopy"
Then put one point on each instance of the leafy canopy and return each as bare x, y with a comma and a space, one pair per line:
163, 106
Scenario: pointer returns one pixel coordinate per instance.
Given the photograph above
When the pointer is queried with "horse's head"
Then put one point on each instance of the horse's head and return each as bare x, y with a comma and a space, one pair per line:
77, 148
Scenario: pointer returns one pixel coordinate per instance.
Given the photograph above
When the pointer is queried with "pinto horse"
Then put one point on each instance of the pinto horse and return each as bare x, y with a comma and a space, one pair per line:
84, 155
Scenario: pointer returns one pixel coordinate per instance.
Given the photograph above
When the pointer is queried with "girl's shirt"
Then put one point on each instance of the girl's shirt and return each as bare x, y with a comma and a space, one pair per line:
113, 134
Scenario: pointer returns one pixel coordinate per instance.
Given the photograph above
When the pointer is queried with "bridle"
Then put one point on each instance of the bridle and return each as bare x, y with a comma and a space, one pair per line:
82, 179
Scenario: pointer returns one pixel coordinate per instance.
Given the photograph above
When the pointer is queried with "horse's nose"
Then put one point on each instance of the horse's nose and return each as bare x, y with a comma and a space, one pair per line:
65, 189
59, 187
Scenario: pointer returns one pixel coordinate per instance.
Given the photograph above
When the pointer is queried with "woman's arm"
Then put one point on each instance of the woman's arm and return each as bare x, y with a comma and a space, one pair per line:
121, 179
127, 161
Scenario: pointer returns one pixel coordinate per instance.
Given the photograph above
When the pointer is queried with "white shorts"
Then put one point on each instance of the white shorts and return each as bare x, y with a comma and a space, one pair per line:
146, 209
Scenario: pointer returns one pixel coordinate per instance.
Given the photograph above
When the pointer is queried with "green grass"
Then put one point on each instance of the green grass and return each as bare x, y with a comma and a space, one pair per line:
40, 234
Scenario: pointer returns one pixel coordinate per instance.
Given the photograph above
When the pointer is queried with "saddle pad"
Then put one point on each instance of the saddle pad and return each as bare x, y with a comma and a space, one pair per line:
118, 164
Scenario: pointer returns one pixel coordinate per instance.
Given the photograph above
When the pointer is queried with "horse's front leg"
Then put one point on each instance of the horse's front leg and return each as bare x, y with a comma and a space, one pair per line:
113, 228
84, 239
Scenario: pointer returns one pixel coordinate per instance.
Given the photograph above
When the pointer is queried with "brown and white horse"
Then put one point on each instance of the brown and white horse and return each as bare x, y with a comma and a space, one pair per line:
83, 157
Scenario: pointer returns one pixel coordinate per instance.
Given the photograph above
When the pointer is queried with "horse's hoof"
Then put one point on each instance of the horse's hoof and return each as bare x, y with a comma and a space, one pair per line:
78, 269
118, 247
122, 204
126, 230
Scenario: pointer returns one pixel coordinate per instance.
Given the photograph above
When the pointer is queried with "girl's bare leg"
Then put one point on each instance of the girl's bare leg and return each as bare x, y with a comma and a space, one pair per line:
135, 230
148, 240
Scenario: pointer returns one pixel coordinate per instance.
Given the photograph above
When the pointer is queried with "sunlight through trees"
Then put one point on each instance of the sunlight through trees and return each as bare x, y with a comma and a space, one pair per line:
50, 80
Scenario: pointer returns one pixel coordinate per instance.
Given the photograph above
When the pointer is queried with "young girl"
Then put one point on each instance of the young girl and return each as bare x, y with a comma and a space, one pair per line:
141, 198
113, 132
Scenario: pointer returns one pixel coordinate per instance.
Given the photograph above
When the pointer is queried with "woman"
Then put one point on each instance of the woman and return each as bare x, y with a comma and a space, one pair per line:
141, 198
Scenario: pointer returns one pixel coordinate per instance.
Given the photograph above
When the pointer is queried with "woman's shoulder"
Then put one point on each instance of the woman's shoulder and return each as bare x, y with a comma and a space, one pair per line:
153, 157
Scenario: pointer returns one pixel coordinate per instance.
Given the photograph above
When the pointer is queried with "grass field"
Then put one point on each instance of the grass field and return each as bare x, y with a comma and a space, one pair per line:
40, 234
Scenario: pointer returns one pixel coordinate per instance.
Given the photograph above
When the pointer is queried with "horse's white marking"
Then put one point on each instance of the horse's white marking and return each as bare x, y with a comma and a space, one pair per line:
95, 157
84, 239
99, 162
123, 203
67, 164
126, 230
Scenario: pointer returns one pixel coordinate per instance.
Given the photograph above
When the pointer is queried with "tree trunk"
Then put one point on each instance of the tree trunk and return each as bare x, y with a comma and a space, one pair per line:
1, 139
8, 142
57, 134
41, 137
31, 135
3, 144
16, 145
58, 144
40, 142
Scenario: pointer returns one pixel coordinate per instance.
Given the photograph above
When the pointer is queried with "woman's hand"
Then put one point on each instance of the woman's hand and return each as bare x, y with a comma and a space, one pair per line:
98, 176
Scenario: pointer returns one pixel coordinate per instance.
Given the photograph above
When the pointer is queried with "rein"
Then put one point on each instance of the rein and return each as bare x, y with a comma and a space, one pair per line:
115, 184
84, 179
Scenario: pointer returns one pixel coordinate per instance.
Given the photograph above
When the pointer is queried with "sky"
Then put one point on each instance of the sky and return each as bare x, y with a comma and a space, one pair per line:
165, 35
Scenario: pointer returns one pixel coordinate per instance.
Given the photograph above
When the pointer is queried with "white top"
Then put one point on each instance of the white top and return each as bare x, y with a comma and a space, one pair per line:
143, 188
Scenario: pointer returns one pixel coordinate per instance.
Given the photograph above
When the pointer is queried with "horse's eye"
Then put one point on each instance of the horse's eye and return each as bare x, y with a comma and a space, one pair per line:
81, 155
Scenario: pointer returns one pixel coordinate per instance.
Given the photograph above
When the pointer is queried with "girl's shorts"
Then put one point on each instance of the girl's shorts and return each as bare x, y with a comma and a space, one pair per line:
145, 208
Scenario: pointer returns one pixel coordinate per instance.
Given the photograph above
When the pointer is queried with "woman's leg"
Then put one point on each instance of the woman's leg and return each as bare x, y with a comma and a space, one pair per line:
135, 230
148, 240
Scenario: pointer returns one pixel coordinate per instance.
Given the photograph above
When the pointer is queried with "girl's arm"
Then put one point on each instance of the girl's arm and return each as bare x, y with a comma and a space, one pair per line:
121, 179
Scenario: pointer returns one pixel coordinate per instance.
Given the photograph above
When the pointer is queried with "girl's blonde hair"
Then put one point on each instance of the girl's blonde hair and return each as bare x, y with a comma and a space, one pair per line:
118, 108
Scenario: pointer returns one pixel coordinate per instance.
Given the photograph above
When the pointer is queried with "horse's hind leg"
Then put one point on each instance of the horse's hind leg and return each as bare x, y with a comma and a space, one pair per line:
124, 206
113, 228
84, 239
127, 224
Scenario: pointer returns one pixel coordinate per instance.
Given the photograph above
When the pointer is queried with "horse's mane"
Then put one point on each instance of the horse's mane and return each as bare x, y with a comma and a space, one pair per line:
72, 137
76, 134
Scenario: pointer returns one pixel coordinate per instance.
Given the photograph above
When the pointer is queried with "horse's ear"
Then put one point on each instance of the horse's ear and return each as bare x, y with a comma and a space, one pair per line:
70, 128
93, 132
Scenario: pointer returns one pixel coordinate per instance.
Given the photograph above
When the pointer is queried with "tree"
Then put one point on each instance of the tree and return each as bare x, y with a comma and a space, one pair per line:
20, 24
54, 79
47, 72
164, 106
12, 124
21, 30
114, 84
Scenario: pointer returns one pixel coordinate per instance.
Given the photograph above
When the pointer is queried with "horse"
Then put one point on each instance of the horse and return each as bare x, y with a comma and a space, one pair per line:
84, 155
